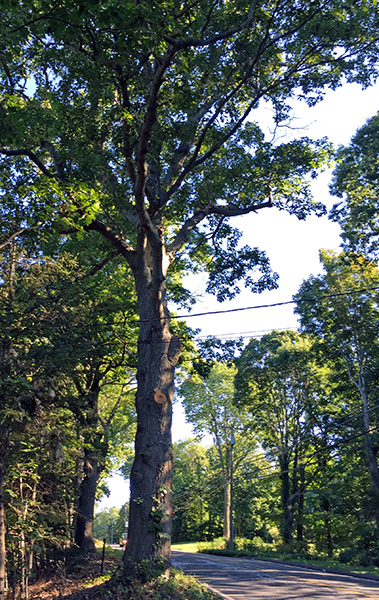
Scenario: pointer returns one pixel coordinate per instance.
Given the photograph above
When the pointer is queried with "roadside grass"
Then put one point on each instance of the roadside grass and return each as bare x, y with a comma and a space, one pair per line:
186, 546
284, 554
275, 553
176, 587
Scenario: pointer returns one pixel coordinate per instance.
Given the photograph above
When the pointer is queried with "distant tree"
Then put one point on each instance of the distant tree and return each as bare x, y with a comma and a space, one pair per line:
208, 404
109, 524
280, 384
191, 482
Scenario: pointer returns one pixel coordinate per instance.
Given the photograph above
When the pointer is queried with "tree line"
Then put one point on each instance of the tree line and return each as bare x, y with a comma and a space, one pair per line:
304, 404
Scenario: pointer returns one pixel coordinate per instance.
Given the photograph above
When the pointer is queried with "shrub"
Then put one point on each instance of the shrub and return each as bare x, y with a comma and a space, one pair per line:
219, 543
252, 545
364, 552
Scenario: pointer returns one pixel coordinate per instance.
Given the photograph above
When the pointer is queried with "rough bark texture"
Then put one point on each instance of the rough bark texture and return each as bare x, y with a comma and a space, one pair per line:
370, 446
86, 503
150, 513
2, 532
226, 532
92, 467
300, 506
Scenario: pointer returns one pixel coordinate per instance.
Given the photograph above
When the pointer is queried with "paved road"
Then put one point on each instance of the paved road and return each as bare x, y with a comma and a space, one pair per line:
250, 579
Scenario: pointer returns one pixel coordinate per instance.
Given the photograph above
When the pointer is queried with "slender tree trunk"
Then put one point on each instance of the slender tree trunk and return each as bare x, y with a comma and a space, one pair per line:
24, 563
300, 507
370, 446
287, 522
328, 526
2, 527
226, 509
150, 513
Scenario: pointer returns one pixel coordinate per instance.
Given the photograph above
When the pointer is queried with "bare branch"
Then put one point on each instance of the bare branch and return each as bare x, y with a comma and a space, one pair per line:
8, 74
55, 157
149, 121
40, 18
99, 266
114, 238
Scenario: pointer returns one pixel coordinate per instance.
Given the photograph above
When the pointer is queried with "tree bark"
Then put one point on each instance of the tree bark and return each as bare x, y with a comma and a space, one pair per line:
92, 467
150, 513
84, 537
2, 528
227, 508
371, 449
300, 506
287, 523
328, 526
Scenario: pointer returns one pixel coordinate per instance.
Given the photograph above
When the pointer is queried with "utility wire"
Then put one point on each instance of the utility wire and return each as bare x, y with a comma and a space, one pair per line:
232, 310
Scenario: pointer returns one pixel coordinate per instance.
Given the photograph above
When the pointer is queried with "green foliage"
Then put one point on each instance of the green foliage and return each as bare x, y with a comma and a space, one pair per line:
76, 118
110, 521
177, 587
364, 551
356, 183
128, 129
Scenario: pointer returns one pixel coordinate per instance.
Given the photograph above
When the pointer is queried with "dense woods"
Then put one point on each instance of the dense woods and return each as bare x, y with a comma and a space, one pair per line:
129, 141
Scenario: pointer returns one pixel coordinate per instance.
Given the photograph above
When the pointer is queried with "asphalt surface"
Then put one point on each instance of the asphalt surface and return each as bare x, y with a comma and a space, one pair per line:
250, 579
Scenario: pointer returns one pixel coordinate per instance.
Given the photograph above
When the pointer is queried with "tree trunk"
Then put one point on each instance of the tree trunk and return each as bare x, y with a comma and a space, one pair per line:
328, 526
300, 506
150, 512
226, 509
2, 529
371, 450
84, 537
287, 522
92, 467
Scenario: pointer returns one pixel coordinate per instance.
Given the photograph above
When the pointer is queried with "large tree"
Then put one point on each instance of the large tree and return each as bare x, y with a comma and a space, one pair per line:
131, 121
344, 313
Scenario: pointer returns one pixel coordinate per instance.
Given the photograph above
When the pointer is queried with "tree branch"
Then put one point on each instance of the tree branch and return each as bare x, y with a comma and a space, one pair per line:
33, 157
149, 121
99, 266
182, 44
114, 238
230, 210
20, 232
55, 157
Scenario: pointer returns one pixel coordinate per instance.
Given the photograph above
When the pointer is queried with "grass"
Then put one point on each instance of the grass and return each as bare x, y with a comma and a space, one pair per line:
285, 555
321, 562
186, 546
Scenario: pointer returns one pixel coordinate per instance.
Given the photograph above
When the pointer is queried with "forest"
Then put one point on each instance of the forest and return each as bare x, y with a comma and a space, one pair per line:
128, 146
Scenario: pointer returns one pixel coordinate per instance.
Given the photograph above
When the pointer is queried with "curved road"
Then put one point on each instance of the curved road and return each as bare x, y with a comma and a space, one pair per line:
251, 579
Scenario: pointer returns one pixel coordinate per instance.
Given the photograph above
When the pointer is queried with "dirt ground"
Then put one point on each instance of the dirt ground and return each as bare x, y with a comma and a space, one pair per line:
76, 581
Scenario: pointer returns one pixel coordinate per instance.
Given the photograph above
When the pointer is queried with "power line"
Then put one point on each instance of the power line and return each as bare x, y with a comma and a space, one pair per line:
273, 305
